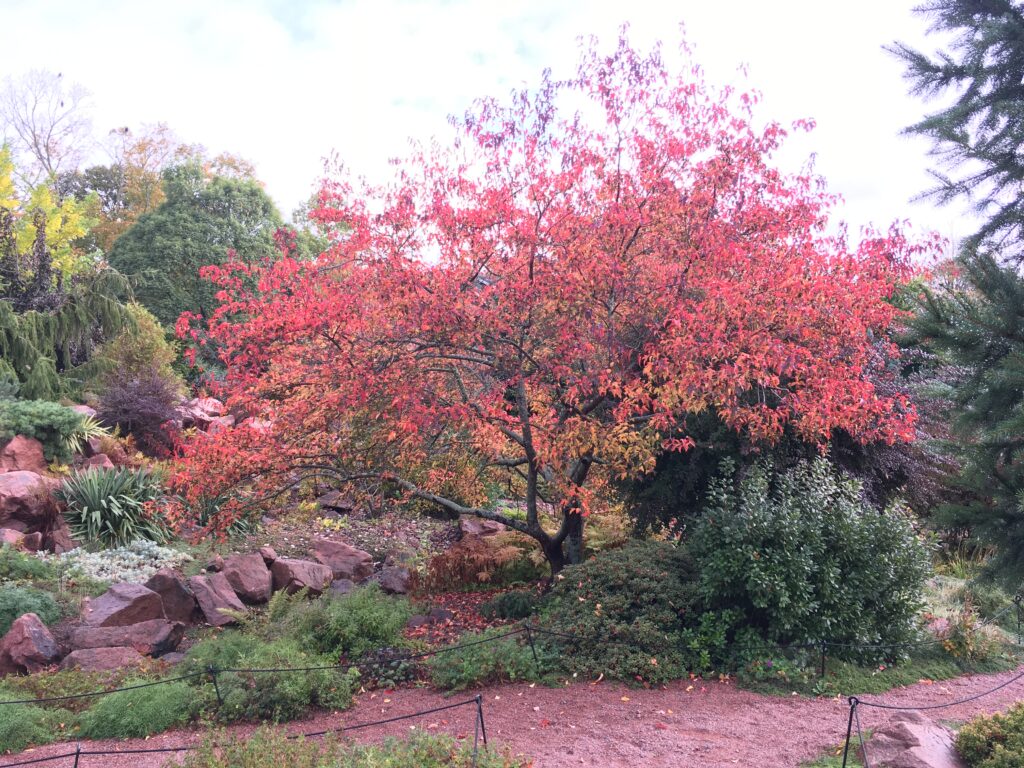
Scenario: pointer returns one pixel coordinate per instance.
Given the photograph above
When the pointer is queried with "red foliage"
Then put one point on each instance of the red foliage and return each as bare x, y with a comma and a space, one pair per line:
543, 303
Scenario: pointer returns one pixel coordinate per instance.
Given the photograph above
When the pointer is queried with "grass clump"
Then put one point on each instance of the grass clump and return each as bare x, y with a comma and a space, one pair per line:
504, 660
345, 627
517, 604
282, 696
141, 712
19, 566
17, 601
270, 749
68, 682
25, 725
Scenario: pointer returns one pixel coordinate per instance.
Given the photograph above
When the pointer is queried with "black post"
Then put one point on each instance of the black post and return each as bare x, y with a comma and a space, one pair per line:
480, 717
78, 753
824, 646
849, 728
216, 688
1017, 602
529, 639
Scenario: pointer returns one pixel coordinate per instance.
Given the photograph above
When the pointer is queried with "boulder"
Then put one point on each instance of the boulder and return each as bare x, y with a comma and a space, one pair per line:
220, 424
123, 604
12, 538
440, 615
85, 410
249, 577
292, 575
268, 554
58, 538
210, 405
28, 646
25, 500
341, 587
215, 595
214, 565
911, 740
32, 542
200, 411
345, 562
98, 461
476, 526
24, 454
178, 601
336, 500
153, 638
394, 579
103, 659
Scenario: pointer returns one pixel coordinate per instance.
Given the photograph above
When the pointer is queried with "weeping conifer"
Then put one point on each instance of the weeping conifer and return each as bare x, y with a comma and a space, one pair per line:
48, 325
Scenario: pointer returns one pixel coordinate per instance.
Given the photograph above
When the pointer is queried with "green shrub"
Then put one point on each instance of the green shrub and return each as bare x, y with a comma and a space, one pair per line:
505, 660
271, 749
517, 604
627, 610
53, 425
141, 712
282, 696
24, 725
799, 557
17, 601
110, 506
69, 682
19, 566
993, 741
220, 652
342, 627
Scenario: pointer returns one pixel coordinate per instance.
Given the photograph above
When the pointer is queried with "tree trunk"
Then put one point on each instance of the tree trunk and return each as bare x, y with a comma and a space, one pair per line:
574, 539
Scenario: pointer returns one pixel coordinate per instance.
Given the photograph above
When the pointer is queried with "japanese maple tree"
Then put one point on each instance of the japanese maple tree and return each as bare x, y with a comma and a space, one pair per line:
537, 308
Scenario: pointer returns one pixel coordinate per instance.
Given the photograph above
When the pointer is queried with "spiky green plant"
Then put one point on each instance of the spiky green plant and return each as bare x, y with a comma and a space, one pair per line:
110, 506
88, 428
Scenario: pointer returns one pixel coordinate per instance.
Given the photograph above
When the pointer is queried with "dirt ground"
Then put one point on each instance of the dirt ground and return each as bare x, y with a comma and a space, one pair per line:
685, 724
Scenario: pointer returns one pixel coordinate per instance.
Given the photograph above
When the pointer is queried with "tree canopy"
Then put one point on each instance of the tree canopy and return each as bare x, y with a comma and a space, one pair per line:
540, 307
977, 137
204, 219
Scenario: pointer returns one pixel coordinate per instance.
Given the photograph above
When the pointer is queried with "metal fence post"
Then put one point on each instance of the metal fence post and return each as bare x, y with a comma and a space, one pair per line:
216, 688
849, 728
533, 648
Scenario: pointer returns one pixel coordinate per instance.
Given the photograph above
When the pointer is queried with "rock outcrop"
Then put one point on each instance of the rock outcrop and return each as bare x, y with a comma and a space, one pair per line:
215, 596
28, 646
249, 577
123, 604
292, 575
345, 562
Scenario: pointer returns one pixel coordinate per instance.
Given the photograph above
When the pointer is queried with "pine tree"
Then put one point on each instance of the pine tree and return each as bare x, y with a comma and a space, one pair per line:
49, 325
978, 136
975, 327
972, 321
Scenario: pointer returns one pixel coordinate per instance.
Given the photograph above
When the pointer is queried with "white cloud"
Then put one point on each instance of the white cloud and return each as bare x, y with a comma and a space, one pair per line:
286, 82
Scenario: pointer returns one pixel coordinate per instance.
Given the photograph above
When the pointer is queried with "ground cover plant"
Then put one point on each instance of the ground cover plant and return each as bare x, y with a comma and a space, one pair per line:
993, 741
269, 749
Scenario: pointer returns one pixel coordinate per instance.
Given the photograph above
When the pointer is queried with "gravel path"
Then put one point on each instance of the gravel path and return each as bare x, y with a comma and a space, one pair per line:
684, 724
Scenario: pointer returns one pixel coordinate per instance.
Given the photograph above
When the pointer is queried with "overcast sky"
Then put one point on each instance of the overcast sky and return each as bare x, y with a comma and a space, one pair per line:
286, 82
